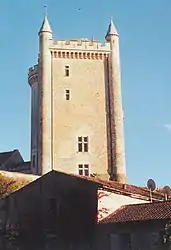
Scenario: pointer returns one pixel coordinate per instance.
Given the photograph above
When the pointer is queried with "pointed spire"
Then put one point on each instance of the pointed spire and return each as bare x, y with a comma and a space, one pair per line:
111, 31
45, 25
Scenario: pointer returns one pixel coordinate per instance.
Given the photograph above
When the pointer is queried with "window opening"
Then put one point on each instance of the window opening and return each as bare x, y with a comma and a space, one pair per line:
83, 169
83, 144
67, 71
67, 94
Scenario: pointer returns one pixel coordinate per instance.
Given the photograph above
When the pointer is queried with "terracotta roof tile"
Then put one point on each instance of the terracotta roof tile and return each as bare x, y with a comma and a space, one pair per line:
140, 212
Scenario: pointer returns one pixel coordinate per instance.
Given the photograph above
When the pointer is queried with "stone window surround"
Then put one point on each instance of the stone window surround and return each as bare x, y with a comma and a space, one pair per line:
83, 144
84, 169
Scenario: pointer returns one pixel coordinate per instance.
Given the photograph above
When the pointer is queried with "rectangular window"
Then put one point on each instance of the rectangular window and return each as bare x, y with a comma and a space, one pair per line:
83, 144
66, 70
120, 241
86, 169
54, 212
80, 169
80, 144
34, 161
86, 144
83, 169
154, 239
67, 94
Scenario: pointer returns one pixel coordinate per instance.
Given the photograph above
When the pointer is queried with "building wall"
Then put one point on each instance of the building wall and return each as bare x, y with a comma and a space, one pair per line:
72, 216
83, 115
131, 235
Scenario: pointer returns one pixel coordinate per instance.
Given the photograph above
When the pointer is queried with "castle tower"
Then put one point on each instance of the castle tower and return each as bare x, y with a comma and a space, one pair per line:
77, 118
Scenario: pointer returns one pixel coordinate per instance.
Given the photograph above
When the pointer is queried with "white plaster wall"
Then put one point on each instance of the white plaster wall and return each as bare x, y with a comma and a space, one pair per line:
110, 202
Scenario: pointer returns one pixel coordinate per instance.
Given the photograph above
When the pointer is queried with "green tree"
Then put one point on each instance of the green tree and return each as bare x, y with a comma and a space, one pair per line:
10, 185
167, 235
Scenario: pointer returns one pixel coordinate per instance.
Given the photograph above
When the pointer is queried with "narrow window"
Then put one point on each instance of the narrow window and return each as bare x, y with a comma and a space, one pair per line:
86, 144
86, 169
67, 94
66, 70
83, 169
83, 144
34, 161
80, 169
80, 144
120, 241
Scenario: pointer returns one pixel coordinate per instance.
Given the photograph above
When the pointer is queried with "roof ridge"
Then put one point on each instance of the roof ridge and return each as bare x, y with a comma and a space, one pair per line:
10, 151
149, 203
140, 212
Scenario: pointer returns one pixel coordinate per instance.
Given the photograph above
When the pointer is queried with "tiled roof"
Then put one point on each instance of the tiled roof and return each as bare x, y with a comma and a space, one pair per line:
126, 189
4, 156
123, 189
140, 212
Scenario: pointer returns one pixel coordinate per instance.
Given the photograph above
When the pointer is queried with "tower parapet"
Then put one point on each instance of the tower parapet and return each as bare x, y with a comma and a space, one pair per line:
81, 44
95, 55
80, 49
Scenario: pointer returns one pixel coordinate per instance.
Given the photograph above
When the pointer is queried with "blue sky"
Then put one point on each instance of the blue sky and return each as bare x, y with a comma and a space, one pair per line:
145, 47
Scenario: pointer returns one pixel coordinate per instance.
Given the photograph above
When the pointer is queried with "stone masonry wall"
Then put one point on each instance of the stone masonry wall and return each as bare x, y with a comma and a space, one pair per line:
83, 115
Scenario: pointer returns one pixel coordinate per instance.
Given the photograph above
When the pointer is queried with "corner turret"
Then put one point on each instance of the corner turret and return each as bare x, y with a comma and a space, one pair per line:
118, 169
45, 94
45, 36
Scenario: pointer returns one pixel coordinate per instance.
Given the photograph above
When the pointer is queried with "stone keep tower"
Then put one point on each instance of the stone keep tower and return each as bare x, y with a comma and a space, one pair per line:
76, 115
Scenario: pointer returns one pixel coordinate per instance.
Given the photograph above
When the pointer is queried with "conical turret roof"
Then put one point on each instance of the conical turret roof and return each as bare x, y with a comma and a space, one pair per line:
112, 31
45, 26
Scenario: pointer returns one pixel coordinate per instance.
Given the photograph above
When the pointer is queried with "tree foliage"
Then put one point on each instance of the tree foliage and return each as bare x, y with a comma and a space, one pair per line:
167, 235
9, 185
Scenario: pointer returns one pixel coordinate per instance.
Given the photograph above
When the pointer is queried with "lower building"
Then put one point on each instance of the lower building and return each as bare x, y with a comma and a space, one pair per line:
135, 226
73, 209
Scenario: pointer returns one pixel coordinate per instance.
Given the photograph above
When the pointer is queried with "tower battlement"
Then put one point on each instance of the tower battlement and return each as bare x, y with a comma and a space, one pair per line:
33, 70
81, 44
33, 74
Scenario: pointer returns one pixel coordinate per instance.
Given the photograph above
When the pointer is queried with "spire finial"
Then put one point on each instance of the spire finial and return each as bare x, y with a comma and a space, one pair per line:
45, 9
45, 25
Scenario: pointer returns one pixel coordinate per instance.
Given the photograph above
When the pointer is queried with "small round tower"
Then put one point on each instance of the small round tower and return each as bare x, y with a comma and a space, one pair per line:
33, 82
118, 169
45, 152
